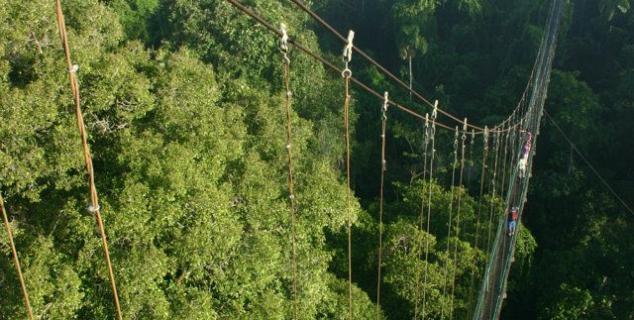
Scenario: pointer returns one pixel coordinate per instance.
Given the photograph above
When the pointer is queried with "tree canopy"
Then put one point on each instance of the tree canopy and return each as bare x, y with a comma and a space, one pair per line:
183, 103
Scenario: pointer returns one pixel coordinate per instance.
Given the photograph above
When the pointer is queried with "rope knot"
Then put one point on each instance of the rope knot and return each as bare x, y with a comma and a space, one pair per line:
93, 209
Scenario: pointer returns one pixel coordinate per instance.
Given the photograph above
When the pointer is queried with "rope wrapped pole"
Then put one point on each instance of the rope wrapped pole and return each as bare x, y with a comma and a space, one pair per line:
16, 260
386, 104
347, 74
94, 207
289, 143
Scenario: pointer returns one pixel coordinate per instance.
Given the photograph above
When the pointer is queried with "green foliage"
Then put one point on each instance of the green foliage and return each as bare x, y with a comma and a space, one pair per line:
183, 102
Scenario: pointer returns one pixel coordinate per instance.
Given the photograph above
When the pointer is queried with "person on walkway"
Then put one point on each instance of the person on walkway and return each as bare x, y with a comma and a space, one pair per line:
526, 149
512, 220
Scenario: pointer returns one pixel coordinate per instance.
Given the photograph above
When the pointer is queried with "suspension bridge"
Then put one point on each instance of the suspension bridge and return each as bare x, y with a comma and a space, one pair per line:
508, 147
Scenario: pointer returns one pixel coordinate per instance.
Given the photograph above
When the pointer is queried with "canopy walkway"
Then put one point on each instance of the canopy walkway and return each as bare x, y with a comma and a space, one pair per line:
514, 146
493, 290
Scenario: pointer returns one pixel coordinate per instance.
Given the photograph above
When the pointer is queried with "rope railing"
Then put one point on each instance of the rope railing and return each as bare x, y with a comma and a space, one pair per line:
493, 291
383, 69
244, 9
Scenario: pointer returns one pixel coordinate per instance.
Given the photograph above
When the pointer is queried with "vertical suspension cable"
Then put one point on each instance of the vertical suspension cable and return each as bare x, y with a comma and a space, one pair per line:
432, 135
347, 74
505, 159
449, 223
471, 165
496, 143
94, 206
386, 103
458, 216
289, 142
16, 260
422, 210
485, 153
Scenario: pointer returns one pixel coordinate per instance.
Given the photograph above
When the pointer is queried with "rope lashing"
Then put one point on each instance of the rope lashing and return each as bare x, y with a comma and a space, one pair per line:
386, 102
289, 153
434, 114
16, 260
72, 74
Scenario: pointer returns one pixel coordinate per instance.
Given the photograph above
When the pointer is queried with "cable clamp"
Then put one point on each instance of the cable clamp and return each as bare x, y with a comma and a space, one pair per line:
386, 104
284, 43
347, 55
93, 209
347, 50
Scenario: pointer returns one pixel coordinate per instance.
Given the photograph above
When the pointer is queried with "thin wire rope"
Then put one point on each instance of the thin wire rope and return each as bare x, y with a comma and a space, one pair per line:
485, 154
471, 164
458, 216
384, 70
334, 68
431, 176
94, 207
290, 180
589, 164
16, 260
493, 189
523, 97
422, 212
505, 159
381, 208
449, 223
346, 119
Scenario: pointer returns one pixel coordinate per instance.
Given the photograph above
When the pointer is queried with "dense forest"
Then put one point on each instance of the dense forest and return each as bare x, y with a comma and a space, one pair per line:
184, 106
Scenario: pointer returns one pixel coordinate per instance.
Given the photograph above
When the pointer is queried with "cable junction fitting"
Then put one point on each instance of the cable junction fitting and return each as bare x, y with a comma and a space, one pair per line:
284, 43
347, 54
386, 104
93, 209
